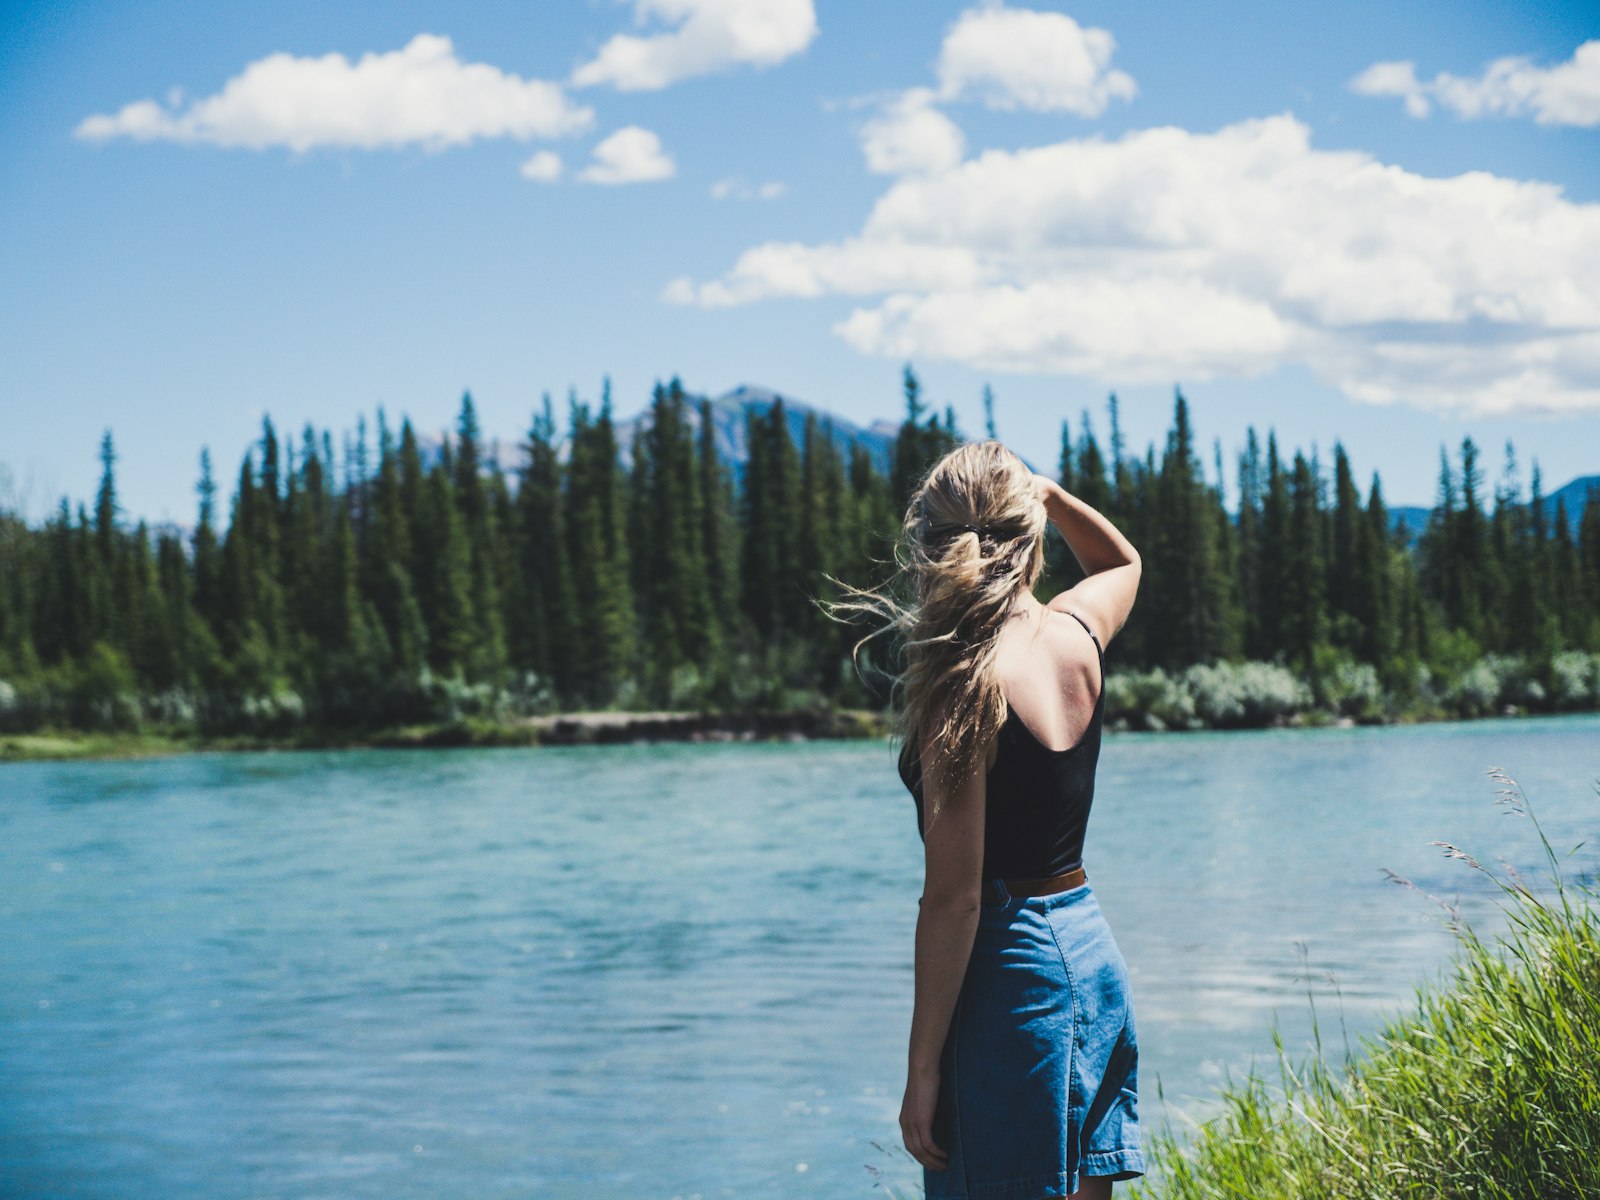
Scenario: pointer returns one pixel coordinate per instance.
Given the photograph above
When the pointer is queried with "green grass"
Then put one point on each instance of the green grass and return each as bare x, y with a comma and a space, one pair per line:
464, 731
28, 747
1488, 1088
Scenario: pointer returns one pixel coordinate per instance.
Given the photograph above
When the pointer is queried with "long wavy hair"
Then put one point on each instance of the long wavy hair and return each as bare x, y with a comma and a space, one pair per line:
972, 540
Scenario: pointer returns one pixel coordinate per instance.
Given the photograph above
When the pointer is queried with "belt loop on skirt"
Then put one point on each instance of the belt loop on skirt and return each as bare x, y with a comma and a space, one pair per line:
1001, 895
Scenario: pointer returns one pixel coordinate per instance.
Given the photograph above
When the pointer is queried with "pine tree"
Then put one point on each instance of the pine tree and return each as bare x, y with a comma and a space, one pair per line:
719, 529
1094, 488
179, 649
18, 595
596, 504
919, 444
672, 593
239, 574
1507, 592
206, 583
1119, 479
304, 519
821, 511
265, 534
109, 598
487, 654
445, 587
1372, 591
770, 510
1571, 621
390, 583
1540, 568
640, 563
1588, 551
1192, 614
1277, 563
1344, 561
1064, 467
105, 506
910, 443
1304, 616
547, 635
1248, 532
1471, 543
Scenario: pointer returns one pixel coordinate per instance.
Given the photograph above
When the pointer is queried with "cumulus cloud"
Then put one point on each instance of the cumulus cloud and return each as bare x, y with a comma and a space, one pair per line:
1565, 94
1019, 58
1006, 57
630, 155
543, 167
1171, 255
910, 136
708, 36
420, 94
738, 189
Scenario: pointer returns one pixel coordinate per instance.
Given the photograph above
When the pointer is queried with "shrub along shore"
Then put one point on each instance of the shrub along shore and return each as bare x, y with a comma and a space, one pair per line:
1248, 695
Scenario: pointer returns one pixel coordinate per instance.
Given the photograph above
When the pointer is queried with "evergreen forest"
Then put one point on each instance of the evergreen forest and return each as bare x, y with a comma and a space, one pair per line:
387, 587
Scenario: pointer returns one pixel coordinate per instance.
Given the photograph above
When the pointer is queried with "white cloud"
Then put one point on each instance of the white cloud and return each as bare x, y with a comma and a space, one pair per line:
710, 35
737, 189
420, 94
1566, 94
630, 155
1169, 255
859, 266
543, 167
1019, 58
910, 136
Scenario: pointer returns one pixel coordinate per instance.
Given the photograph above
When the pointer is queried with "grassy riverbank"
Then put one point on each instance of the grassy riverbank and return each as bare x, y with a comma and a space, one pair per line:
564, 729
1489, 1088
89, 717
1178, 713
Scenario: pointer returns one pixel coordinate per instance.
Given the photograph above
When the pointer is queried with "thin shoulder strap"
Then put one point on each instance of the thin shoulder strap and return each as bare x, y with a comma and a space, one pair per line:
1099, 653
1092, 638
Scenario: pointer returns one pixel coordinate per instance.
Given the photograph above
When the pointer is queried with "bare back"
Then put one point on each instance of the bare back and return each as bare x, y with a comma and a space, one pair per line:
1049, 672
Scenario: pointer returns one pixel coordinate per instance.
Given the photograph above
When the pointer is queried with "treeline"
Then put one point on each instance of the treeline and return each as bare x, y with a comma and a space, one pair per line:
1307, 598
387, 587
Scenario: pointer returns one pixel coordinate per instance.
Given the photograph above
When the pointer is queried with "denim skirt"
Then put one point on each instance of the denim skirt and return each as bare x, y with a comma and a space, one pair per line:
1038, 1083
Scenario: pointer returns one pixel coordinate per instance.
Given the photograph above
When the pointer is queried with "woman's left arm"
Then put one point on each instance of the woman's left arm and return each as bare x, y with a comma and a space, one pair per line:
946, 926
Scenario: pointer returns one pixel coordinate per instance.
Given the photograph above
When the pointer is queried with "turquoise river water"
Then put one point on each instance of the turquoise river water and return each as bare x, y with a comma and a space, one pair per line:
662, 970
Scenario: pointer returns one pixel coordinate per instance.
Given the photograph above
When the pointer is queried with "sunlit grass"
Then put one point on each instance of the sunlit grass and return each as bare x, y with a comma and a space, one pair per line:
1489, 1087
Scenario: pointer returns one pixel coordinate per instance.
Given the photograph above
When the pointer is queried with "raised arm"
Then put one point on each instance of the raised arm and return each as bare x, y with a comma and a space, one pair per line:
1110, 563
947, 924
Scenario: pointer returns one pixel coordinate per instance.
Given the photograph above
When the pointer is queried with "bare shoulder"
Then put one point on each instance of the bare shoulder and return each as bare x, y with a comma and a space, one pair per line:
1050, 674
1102, 600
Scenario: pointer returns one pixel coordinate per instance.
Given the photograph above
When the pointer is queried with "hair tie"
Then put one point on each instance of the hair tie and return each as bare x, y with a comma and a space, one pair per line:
980, 530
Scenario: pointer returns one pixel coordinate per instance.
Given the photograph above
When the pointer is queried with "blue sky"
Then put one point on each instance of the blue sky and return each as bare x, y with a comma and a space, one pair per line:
1257, 202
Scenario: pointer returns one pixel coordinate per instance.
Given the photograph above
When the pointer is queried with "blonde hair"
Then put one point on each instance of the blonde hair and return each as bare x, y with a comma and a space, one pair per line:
971, 542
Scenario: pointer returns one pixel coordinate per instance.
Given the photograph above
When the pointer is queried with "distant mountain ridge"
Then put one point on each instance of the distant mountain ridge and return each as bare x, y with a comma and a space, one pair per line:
1574, 493
730, 411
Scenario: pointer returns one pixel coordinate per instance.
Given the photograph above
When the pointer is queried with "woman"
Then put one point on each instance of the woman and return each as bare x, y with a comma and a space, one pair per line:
1021, 1075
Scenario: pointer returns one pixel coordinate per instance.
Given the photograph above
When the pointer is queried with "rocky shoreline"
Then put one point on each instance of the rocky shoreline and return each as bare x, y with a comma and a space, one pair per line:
591, 728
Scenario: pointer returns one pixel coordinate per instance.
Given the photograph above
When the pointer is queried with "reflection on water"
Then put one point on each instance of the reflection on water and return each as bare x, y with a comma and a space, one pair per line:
658, 971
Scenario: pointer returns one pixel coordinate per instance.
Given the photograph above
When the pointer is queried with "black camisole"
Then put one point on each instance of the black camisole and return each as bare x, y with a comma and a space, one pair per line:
1037, 799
